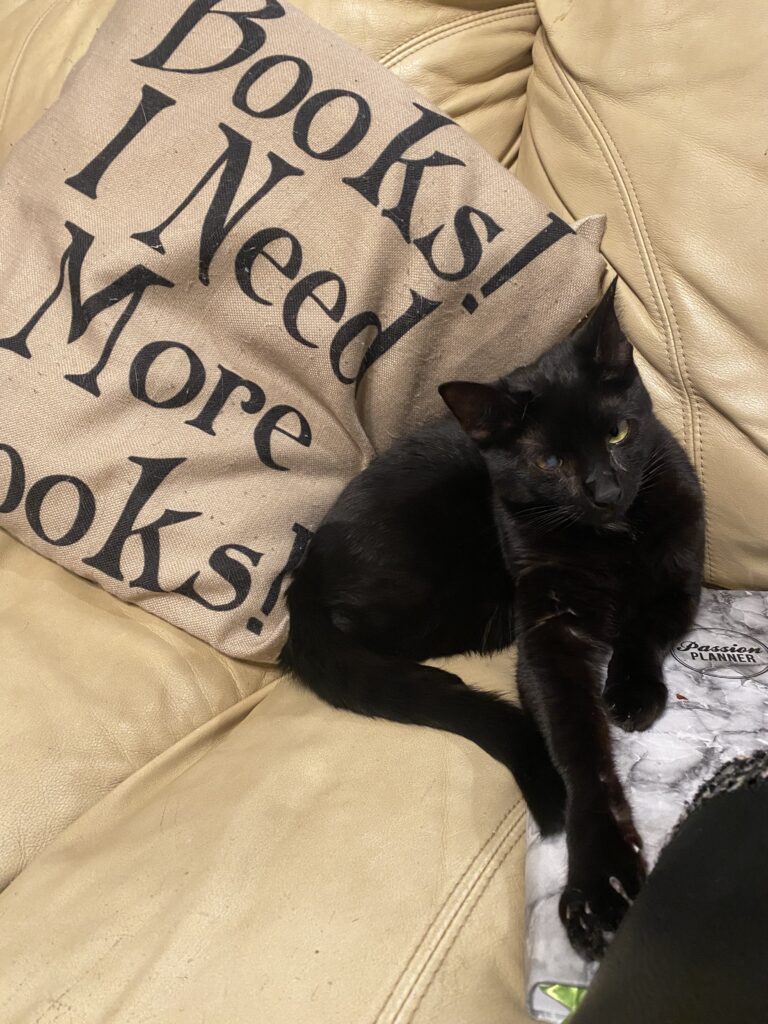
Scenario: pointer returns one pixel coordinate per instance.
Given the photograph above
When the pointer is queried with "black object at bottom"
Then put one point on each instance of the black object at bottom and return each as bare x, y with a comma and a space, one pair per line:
694, 947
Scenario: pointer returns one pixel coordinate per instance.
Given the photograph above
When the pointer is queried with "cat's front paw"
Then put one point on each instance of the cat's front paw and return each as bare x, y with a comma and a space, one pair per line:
600, 890
635, 695
635, 704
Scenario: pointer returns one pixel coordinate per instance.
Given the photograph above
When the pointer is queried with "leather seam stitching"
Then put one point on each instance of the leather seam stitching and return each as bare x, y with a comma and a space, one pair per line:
19, 58
547, 175
451, 28
653, 273
621, 189
466, 874
470, 904
447, 899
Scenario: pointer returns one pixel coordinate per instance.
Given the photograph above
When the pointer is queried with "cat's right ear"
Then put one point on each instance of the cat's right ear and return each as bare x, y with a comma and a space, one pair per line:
487, 414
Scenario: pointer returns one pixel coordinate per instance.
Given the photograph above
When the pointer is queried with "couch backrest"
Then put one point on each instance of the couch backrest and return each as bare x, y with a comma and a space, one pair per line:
657, 114
652, 112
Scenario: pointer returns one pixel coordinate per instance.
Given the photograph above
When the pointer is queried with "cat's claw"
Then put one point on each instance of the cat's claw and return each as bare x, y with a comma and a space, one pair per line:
589, 932
598, 895
592, 914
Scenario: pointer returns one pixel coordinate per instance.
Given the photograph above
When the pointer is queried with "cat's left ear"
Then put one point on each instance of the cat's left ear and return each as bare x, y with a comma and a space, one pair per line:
612, 348
488, 414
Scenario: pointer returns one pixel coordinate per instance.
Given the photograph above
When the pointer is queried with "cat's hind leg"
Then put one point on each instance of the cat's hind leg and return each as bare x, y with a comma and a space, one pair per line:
327, 650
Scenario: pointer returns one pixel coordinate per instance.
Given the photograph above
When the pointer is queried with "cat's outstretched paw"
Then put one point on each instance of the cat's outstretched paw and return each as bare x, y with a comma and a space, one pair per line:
598, 895
634, 705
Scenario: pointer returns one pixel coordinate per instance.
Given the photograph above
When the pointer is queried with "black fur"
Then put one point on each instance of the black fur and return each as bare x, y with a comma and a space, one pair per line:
526, 525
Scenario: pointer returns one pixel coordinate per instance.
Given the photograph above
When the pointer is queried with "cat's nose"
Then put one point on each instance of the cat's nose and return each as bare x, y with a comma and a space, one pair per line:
603, 490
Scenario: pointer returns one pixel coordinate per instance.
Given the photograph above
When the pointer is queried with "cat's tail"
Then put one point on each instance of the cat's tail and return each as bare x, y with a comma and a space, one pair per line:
354, 678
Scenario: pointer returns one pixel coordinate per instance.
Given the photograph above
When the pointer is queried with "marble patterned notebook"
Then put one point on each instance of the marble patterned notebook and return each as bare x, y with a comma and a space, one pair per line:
718, 710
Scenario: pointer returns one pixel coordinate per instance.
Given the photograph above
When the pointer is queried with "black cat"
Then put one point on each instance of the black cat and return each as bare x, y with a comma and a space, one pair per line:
563, 516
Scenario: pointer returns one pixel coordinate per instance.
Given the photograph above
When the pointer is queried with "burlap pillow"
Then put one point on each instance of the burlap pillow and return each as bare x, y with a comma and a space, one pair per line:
237, 258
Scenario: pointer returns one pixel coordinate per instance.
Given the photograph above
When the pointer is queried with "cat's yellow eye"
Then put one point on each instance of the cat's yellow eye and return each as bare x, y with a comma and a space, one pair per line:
619, 433
549, 462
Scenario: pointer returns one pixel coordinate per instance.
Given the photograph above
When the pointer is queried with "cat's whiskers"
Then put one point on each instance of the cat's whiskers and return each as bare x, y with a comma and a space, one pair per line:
484, 645
527, 510
655, 464
545, 518
651, 472
535, 515
654, 461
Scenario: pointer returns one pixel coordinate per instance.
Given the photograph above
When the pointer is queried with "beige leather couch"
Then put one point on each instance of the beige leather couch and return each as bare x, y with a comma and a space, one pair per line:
188, 839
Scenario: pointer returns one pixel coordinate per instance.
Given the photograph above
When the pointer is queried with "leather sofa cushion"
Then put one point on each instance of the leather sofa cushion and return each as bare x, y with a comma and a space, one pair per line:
92, 691
301, 865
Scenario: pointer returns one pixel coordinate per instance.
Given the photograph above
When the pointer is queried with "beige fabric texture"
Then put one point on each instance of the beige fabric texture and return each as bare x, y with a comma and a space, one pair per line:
250, 256
73, 734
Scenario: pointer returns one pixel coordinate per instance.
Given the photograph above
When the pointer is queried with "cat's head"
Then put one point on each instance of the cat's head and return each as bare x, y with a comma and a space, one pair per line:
572, 430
